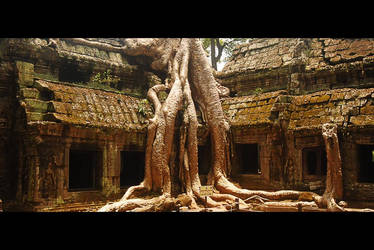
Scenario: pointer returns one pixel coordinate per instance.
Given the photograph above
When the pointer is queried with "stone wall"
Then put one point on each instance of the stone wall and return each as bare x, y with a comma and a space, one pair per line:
7, 111
283, 90
300, 65
68, 61
43, 118
287, 89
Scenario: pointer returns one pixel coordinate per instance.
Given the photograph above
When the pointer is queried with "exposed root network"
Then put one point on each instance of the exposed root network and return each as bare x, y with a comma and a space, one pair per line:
171, 148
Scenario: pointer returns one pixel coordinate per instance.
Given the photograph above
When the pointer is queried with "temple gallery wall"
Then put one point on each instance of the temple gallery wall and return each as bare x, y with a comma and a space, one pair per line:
73, 119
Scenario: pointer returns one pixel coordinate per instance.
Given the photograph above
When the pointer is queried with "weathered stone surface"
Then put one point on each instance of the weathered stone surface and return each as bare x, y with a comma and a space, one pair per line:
283, 90
252, 110
298, 64
90, 107
341, 106
44, 117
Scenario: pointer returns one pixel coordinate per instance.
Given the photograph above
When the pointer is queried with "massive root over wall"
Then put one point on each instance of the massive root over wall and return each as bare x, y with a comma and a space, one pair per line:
171, 151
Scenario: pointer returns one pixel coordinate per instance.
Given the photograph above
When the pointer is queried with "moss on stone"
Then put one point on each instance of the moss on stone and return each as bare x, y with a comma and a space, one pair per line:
25, 73
30, 93
34, 105
367, 110
46, 76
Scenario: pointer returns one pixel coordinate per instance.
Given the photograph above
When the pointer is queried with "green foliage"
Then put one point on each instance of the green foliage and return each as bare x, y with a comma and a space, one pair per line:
231, 43
162, 95
258, 91
228, 45
142, 109
105, 78
220, 49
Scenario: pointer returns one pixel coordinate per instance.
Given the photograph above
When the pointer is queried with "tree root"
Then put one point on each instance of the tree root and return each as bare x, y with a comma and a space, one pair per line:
136, 204
162, 203
256, 198
189, 80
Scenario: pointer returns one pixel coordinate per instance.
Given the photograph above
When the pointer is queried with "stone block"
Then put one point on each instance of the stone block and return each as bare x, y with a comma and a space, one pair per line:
34, 116
319, 99
337, 119
337, 96
25, 73
30, 93
367, 110
34, 105
295, 115
362, 120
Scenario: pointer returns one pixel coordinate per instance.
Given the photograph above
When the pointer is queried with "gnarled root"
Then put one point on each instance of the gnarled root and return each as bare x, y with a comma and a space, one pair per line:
190, 80
136, 204
162, 203
328, 201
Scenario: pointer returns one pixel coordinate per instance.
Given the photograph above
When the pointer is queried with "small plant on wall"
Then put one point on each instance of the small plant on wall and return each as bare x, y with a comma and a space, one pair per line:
105, 78
258, 91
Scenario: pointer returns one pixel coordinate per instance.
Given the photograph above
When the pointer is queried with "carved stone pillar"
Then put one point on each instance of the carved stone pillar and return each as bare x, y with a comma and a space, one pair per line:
33, 166
60, 164
63, 180
110, 156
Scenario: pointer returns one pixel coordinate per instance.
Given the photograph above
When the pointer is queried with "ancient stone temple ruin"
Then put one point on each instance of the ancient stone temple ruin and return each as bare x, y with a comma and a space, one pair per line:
73, 119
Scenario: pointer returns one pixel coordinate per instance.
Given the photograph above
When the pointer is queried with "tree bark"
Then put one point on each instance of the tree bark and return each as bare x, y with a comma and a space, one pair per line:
334, 178
190, 80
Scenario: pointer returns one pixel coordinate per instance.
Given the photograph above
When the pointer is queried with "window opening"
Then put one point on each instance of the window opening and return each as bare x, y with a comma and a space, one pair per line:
132, 168
83, 170
249, 158
315, 161
366, 163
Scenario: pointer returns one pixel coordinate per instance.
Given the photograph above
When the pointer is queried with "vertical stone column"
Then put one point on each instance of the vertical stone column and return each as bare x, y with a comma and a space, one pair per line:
7, 113
294, 83
276, 155
110, 162
291, 158
59, 159
4, 167
104, 165
265, 160
21, 169
24, 77
117, 169
33, 166
63, 179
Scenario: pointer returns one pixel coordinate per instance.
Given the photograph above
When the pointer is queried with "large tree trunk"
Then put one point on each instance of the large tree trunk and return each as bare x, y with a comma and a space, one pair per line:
190, 81
334, 178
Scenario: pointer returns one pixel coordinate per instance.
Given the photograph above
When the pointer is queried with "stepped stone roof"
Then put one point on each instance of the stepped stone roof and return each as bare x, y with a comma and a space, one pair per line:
271, 53
64, 103
299, 65
255, 110
344, 107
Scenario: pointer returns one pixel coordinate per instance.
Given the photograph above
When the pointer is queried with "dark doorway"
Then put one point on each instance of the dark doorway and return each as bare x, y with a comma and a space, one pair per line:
315, 161
70, 72
204, 159
366, 163
249, 158
132, 168
84, 171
